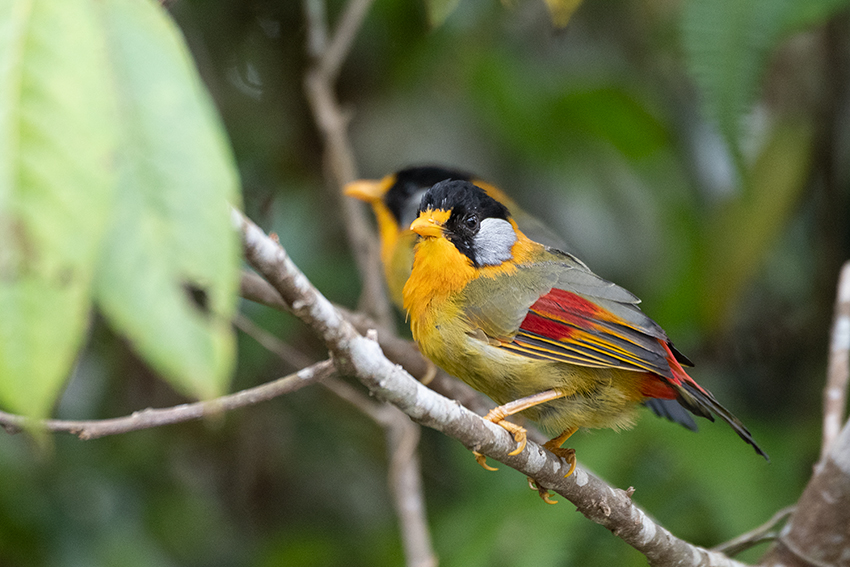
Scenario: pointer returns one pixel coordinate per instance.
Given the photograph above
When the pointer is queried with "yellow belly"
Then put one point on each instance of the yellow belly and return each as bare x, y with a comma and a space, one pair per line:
594, 397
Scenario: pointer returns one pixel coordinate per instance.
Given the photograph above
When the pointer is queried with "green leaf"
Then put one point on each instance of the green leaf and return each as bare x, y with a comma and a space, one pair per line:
56, 181
170, 227
727, 44
739, 236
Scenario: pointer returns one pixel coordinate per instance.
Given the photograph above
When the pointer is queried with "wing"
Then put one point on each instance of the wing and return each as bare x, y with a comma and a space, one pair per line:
569, 327
586, 320
569, 314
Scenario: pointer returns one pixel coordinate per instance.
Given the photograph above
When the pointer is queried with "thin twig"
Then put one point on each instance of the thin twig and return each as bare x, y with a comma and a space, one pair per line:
288, 354
343, 37
258, 290
402, 435
332, 122
838, 367
361, 357
148, 418
766, 532
405, 479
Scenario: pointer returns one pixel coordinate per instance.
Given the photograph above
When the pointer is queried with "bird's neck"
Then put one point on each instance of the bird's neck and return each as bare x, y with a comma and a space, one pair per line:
439, 271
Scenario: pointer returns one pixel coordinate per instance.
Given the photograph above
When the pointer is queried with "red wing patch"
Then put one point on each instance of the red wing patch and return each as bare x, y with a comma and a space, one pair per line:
565, 326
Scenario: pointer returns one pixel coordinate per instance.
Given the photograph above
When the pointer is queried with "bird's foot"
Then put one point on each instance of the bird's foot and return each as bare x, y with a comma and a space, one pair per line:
497, 416
482, 460
543, 492
519, 433
569, 456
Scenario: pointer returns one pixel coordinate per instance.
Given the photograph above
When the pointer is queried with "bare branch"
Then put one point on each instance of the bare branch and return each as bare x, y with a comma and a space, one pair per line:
332, 55
258, 290
148, 418
817, 533
290, 355
404, 475
332, 122
362, 357
768, 531
838, 368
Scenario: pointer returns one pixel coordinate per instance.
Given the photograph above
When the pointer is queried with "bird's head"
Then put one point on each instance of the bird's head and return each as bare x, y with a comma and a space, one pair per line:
477, 225
400, 192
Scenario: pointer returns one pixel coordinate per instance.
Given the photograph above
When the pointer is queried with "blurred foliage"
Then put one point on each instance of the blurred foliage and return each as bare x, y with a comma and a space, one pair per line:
693, 152
728, 44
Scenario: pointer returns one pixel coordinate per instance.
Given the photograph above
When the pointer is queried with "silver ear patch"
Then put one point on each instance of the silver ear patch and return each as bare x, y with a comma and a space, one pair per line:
492, 245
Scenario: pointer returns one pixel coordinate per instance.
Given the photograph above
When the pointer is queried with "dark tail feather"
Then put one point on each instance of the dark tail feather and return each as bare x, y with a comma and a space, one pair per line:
680, 358
672, 410
701, 402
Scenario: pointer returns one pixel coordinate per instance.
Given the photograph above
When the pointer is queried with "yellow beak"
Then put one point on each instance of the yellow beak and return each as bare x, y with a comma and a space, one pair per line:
429, 224
369, 190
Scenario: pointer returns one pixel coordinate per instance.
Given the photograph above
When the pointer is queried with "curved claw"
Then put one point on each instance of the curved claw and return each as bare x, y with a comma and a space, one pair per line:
572, 468
569, 455
544, 493
482, 460
519, 432
520, 436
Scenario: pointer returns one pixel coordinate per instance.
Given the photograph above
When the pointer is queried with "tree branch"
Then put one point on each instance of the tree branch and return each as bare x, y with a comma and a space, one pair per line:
817, 533
838, 367
332, 122
362, 357
404, 476
768, 531
148, 418
398, 350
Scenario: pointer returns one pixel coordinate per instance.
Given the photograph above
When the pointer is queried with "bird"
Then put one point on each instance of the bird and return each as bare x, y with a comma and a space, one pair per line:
395, 202
533, 328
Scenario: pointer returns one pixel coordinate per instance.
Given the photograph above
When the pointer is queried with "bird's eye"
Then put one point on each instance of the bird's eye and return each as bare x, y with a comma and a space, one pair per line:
471, 222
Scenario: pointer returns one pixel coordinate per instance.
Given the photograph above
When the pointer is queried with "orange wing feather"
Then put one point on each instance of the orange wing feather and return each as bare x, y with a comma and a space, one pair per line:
565, 326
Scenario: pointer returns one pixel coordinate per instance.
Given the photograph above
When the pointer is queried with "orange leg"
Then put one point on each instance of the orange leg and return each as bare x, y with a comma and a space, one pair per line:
498, 414
569, 455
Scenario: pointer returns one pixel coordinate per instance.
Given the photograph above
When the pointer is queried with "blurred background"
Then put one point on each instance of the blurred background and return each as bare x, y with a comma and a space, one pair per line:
693, 152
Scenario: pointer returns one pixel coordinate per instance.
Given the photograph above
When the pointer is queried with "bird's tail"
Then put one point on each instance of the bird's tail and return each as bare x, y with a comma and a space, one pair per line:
701, 402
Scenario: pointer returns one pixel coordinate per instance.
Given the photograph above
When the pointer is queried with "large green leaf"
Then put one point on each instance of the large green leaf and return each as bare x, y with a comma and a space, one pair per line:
56, 181
170, 227
727, 44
